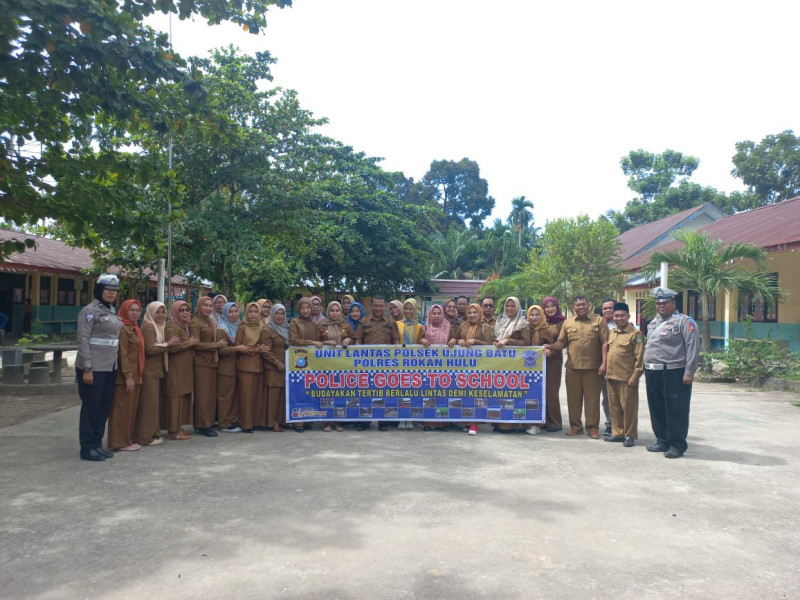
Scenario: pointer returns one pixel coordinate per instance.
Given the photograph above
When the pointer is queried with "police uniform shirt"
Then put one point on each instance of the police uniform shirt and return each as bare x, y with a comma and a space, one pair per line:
673, 342
378, 331
625, 353
96, 321
584, 339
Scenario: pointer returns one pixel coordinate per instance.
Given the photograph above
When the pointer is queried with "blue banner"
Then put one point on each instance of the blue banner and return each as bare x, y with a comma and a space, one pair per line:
414, 383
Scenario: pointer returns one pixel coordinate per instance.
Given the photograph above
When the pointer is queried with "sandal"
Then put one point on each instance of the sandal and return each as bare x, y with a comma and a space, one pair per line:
338, 427
277, 429
327, 428
299, 429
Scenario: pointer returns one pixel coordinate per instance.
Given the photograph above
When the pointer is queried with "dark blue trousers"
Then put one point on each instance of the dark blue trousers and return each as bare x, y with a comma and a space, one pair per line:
668, 399
96, 400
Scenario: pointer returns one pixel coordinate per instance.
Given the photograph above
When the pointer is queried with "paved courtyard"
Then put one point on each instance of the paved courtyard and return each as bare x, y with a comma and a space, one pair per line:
410, 514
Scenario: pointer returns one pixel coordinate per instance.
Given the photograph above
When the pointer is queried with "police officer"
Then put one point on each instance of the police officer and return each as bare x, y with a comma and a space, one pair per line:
96, 365
670, 362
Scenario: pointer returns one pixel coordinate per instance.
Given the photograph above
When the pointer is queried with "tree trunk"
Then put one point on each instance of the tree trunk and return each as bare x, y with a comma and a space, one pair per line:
706, 346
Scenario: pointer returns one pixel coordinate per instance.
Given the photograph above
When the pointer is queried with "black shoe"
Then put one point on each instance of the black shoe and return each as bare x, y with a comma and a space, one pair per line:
552, 428
607, 431
618, 438
299, 429
383, 428
362, 426
247, 430
628, 443
92, 455
208, 432
104, 453
658, 447
673, 452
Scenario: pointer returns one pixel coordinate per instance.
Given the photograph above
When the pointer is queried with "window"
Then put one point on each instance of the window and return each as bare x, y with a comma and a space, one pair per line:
66, 292
753, 305
44, 291
696, 312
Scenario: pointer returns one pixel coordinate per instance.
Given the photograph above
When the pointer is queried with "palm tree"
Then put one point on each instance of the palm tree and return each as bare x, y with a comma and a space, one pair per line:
520, 217
711, 266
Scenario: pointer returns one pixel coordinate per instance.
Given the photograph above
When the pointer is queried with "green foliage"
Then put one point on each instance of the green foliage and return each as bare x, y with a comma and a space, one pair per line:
770, 169
754, 359
711, 267
78, 77
654, 176
575, 256
458, 186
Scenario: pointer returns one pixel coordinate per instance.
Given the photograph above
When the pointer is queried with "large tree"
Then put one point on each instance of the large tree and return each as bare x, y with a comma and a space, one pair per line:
770, 169
460, 190
710, 267
70, 68
662, 182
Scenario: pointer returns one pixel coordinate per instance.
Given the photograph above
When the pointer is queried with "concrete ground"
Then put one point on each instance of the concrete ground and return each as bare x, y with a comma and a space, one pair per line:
410, 514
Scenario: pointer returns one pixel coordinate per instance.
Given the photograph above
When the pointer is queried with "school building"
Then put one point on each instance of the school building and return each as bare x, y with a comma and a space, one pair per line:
774, 228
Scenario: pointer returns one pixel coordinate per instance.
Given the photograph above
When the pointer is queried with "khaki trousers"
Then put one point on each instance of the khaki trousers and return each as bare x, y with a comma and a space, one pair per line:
583, 394
623, 404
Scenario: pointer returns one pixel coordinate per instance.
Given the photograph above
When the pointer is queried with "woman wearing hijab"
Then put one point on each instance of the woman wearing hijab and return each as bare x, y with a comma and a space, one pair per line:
316, 310
179, 378
411, 331
347, 301
303, 331
436, 332
95, 366
227, 402
511, 325
265, 308
474, 332
128, 384
396, 313
276, 336
156, 347
511, 329
219, 302
354, 315
249, 365
555, 362
334, 331
205, 359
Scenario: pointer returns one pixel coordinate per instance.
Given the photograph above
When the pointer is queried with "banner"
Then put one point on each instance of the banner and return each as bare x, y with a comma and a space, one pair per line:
414, 383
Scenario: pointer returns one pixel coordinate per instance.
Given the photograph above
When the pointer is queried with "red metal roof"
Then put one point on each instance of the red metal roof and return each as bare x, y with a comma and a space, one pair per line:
459, 287
48, 256
635, 240
772, 228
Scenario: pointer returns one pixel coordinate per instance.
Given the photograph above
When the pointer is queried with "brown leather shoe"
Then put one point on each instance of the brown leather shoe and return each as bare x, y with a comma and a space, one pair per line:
575, 431
594, 434
180, 435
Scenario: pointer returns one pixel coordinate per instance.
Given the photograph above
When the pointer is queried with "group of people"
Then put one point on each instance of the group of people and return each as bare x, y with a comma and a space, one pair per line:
222, 368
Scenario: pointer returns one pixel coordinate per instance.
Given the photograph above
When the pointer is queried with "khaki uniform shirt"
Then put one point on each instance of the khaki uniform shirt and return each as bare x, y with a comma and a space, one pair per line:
205, 351
584, 339
378, 331
625, 354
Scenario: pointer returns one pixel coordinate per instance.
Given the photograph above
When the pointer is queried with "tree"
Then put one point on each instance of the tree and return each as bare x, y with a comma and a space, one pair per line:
578, 256
70, 68
460, 190
661, 180
521, 217
711, 267
770, 169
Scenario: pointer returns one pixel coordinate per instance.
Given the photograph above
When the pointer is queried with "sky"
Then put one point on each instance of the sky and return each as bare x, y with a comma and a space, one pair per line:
545, 96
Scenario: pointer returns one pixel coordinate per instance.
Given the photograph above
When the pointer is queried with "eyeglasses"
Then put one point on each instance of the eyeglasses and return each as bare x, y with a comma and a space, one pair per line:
488, 306
184, 309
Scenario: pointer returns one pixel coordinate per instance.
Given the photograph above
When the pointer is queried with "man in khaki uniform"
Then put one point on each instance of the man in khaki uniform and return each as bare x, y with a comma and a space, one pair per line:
584, 336
625, 364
